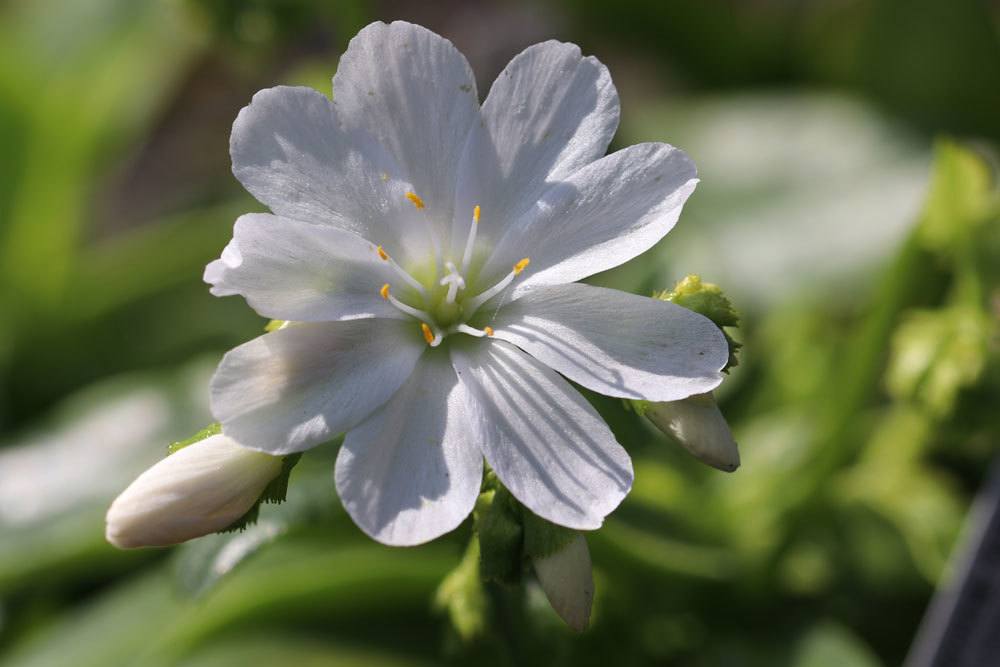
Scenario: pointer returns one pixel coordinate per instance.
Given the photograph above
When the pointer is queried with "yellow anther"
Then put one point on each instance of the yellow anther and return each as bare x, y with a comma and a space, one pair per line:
520, 266
385, 176
488, 330
475, 214
428, 334
385, 291
415, 199
382, 253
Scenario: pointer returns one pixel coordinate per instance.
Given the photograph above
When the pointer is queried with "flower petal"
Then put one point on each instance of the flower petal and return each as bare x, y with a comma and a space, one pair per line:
203, 488
291, 270
603, 215
541, 437
297, 387
291, 153
549, 113
616, 343
415, 93
409, 473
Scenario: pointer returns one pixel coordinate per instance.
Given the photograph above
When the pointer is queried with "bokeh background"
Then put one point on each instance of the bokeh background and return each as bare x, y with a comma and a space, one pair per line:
847, 206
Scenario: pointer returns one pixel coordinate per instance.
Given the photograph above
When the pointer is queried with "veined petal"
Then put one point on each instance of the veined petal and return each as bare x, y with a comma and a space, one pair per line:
603, 215
616, 343
549, 113
291, 270
290, 151
297, 387
203, 488
410, 472
415, 93
545, 442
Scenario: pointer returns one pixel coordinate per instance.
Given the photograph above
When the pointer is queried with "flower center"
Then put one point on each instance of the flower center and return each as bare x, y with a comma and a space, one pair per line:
446, 304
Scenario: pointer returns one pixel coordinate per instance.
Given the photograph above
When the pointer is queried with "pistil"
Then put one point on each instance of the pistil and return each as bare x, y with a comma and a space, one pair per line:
453, 280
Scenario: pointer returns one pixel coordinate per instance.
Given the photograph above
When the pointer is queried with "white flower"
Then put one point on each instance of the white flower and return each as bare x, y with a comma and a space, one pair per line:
568, 582
426, 249
200, 489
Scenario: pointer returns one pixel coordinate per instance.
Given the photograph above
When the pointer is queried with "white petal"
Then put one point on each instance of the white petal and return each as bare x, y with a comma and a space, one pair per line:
290, 151
616, 343
542, 438
302, 385
291, 270
568, 581
549, 113
415, 93
410, 472
698, 425
603, 215
203, 488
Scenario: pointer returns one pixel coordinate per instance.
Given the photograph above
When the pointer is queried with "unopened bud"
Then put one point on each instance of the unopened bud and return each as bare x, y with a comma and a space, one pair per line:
698, 425
568, 582
203, 488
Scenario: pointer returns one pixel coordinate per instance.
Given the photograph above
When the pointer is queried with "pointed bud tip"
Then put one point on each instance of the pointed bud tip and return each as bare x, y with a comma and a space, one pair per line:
698, 425
567, 579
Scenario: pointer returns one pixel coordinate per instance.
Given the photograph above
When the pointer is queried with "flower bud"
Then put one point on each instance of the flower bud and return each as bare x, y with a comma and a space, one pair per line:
698, 425
568, 582
203, 488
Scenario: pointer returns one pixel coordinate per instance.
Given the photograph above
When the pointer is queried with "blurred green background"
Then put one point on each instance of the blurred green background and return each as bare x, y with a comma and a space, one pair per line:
847, 205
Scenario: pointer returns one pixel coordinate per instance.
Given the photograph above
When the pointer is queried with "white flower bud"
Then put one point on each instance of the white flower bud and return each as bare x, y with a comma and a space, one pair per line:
202, 488
698, 425
568, 582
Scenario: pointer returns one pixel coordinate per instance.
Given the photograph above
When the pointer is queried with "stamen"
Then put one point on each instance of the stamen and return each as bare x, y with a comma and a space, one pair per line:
453, 280
499, 287
470, 242
419, 204
415, 199
410, 280
432, 337
472, 331
409, 310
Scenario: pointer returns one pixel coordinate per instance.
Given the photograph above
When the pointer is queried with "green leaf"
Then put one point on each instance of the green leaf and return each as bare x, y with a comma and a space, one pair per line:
961, 197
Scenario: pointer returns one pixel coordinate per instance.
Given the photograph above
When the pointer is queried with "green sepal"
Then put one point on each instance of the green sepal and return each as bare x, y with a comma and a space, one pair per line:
273, 493
501, 536
638, 406
709, 300
208, 431
543, 538
462, 596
